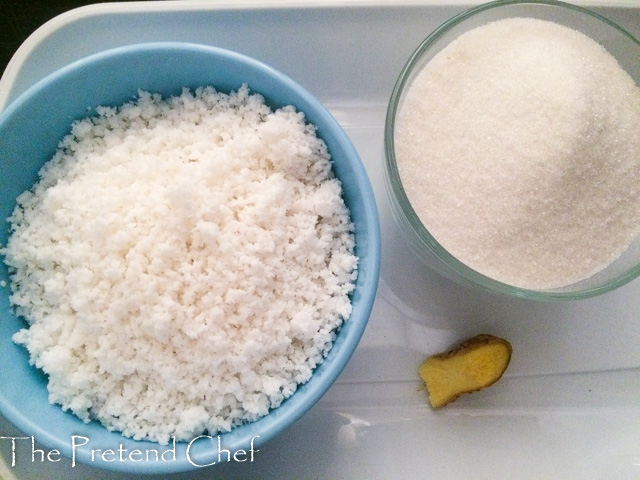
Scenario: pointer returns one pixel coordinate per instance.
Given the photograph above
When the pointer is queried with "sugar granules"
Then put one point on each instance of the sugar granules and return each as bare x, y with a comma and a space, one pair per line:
518, 146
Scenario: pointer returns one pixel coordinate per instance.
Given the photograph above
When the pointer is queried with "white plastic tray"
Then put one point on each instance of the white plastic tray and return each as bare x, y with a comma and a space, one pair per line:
568, 407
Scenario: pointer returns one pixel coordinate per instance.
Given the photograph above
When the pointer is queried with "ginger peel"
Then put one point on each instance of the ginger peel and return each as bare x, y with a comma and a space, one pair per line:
473, 365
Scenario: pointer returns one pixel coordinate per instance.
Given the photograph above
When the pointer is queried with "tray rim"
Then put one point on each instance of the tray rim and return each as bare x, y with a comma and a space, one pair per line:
10, 74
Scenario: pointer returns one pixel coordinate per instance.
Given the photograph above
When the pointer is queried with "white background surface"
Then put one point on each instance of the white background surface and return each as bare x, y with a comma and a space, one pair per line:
568, 405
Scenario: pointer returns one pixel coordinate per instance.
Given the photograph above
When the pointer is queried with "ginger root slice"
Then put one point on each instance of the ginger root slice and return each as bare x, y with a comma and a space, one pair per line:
473, 365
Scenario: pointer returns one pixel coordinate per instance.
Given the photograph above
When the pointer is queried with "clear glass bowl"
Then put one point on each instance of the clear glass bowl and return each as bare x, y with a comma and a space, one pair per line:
622, 45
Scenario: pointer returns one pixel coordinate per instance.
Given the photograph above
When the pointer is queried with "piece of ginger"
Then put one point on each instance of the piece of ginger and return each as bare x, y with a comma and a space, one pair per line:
471, 366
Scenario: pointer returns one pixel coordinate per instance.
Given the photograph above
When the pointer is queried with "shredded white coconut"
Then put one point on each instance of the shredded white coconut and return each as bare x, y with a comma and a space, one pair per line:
183, 263
519, 148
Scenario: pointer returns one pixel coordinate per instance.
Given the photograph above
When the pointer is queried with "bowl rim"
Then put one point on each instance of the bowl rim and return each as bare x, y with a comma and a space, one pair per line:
398, 196
348, 335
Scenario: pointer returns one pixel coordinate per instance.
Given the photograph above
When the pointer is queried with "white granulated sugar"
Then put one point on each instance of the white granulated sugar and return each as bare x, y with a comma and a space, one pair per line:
183, 263
519, 149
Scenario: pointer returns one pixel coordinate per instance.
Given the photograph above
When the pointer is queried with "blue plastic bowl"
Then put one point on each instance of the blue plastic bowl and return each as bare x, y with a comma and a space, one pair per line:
30, 129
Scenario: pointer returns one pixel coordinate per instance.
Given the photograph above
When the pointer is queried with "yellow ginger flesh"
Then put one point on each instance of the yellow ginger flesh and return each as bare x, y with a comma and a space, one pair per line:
472, 366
